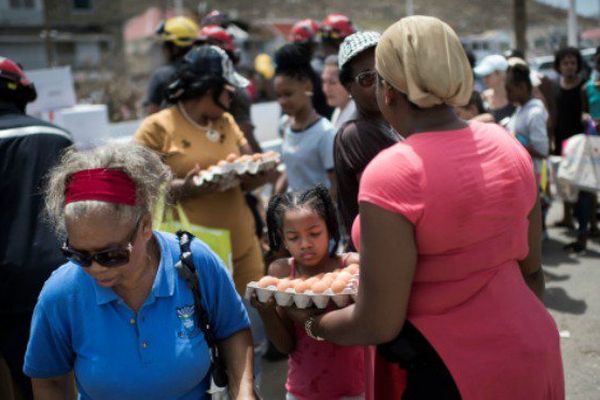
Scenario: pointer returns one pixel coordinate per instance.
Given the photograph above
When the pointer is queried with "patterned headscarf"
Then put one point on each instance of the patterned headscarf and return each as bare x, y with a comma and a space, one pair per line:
423, 58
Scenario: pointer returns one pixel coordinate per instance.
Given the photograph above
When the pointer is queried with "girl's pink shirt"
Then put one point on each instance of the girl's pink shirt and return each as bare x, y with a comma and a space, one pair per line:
320, 370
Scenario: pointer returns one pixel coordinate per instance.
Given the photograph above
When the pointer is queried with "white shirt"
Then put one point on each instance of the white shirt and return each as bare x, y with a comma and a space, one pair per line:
342, 115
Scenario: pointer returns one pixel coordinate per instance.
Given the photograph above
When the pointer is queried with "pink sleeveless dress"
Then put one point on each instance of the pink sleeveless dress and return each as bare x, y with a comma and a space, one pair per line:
320, 370
468, 193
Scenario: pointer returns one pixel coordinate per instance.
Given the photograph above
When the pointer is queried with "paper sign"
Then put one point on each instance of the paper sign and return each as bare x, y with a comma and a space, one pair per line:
55, 89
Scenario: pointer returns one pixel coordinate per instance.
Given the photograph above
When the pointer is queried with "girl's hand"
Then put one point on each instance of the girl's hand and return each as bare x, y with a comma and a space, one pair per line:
269, 306
300, 316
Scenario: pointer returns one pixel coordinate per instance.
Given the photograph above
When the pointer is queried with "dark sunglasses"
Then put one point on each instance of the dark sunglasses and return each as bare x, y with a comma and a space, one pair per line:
366, 78
111, 257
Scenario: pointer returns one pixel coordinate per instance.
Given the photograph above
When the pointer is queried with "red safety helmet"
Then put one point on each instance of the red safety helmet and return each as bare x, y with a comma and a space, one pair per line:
14, 82
214, 34
304, 31
336, 26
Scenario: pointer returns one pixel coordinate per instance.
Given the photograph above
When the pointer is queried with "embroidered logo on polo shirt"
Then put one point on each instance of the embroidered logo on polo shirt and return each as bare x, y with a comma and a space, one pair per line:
187, 316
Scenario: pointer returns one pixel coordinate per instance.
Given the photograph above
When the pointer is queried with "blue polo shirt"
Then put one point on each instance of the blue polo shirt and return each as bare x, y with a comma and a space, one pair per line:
158, 353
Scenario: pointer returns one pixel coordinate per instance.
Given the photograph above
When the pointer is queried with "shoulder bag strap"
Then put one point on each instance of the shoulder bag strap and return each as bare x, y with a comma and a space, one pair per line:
187, 270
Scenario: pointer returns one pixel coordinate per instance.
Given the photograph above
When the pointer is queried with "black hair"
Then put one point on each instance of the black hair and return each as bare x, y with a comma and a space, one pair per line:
476, 101
188, 85
597, 51
519, 73
317, 198
514, 53
20, 97
293, 60
566, 52
175, 52
470, 56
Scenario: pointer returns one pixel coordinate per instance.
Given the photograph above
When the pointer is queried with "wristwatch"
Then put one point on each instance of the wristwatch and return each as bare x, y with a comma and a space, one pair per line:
308, 326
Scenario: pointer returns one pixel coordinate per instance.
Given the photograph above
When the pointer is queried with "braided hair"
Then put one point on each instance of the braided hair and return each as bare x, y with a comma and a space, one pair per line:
317, 198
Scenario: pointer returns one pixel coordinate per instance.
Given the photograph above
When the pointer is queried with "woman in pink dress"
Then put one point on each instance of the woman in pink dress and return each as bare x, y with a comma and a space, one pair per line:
449, 233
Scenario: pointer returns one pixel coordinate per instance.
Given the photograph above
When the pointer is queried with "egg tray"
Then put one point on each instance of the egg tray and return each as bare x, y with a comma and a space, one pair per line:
227, 173
301, 300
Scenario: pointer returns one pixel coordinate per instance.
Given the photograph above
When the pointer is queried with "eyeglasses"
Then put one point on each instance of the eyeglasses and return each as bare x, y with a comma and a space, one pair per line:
366, 78
111, 257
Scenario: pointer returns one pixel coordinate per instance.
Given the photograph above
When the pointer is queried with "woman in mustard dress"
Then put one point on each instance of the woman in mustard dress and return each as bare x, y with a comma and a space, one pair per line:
197, 132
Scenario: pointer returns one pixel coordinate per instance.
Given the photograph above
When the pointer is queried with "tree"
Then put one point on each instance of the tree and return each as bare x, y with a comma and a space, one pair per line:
520, 24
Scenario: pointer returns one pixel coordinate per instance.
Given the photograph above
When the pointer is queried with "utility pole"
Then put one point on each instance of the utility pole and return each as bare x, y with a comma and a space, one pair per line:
520, 24
163, 6
47, 35
410, 9
572, 30
178, 7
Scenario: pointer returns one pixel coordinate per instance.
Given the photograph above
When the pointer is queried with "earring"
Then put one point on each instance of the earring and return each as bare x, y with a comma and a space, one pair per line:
308, 93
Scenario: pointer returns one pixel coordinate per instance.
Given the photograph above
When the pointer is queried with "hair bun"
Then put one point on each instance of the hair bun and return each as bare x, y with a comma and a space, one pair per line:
292, 57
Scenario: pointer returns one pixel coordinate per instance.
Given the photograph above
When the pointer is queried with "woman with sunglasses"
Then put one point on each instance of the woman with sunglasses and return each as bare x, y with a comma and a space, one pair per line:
361, 138
119, 314
450, 283
197, 132
307, 149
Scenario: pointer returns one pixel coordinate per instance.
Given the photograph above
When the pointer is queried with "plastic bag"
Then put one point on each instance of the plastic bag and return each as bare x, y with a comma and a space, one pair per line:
168, 218
580, 166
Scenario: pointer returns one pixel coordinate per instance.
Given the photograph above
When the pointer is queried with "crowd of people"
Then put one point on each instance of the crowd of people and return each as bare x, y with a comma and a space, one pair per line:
389, 158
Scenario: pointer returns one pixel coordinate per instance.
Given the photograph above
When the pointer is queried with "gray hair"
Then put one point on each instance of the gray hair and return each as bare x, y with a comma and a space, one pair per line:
143, 166
332, 60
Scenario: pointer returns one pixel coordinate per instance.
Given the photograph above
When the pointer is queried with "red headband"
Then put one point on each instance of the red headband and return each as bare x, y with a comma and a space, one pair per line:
103, 184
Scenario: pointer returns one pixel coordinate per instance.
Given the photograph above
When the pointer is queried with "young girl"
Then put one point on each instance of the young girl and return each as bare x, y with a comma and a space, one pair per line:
305, 224
307, 149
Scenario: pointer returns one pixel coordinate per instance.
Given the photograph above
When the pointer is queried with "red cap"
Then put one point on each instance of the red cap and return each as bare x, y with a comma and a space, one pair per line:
10, 71
336, 26
102, 184
304, 31
214, 34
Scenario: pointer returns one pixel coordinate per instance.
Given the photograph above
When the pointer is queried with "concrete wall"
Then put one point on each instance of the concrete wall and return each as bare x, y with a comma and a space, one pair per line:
10, 16
30, 55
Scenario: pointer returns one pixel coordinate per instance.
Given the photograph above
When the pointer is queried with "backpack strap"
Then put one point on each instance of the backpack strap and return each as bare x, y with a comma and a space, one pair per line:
187, 271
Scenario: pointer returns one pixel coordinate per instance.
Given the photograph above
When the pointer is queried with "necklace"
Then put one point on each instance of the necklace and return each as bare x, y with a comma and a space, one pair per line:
212, 134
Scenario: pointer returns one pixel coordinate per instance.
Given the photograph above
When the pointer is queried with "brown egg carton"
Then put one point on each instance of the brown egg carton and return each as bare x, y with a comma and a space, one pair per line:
339, 287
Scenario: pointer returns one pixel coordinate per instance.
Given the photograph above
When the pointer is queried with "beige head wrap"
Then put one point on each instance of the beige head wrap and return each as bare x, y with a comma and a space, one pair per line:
423, 58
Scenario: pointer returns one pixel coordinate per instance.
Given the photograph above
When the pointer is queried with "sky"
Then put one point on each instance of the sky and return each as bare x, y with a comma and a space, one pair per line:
584, 7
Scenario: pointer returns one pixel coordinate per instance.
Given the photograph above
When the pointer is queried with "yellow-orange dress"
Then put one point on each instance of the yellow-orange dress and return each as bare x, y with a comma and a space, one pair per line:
183, 144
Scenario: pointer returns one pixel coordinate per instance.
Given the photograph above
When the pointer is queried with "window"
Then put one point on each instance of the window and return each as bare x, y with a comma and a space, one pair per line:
22, 3
83, 5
